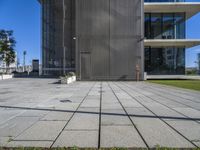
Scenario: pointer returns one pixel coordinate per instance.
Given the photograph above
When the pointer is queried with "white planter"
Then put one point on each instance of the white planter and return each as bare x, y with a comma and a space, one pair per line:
6, 76
68, 80
73, 78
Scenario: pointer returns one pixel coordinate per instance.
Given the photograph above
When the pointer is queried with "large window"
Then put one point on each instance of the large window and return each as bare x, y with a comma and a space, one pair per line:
162, 61
52, 27
179, 22
147, 25
165, 25
168, 26
164, 0
155, 26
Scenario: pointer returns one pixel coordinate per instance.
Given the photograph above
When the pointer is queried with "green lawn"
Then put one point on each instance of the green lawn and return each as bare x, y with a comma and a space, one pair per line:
187, 84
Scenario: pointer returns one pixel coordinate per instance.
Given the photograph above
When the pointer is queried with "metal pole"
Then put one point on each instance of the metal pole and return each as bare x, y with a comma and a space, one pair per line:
24, 63
64, 53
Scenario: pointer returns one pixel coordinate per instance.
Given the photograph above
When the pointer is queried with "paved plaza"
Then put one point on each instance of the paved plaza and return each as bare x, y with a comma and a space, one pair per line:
43, 113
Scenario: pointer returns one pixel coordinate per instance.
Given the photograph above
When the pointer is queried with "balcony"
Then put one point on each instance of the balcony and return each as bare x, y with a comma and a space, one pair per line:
190, 8
187, 43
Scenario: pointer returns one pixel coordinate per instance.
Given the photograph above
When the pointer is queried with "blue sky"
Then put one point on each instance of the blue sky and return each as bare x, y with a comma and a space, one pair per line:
23, 16
193, 32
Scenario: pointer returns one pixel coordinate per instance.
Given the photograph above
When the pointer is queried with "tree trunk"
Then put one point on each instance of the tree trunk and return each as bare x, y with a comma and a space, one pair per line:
7, 67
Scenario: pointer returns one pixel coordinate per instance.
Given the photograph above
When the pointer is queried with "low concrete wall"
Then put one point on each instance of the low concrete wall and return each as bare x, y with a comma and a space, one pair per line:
4, 77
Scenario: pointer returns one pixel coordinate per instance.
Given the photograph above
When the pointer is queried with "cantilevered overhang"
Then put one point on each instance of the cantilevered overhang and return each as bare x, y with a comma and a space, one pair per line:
171, 43
190, 8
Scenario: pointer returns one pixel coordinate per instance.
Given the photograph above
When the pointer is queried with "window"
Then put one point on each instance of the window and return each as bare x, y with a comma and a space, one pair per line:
156, 31
147, 26
168, 26
164, 0
165, 25
179, 21
158, 61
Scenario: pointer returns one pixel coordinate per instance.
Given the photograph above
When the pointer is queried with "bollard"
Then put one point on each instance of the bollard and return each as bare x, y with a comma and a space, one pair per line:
137, 68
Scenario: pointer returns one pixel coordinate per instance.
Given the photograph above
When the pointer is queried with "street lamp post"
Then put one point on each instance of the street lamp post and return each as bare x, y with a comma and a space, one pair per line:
64, 52
24, 56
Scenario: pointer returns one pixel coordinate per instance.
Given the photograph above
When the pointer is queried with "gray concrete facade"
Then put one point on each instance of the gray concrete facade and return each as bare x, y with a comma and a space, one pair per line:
42, 113
108, 39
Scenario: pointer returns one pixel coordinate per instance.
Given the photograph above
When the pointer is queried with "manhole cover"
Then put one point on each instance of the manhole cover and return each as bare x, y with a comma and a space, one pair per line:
65, 101
101, 91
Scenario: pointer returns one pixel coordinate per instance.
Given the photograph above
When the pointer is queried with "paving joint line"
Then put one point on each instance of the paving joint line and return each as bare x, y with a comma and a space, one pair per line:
159, 118
100, 107
130, 118
72, 116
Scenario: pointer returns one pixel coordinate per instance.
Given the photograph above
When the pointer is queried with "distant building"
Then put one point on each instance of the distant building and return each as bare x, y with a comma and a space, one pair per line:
35, 65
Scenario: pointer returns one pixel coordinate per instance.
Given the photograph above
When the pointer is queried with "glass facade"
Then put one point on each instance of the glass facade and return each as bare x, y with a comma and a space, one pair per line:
54, 59
164, 0
164, 25
165, 61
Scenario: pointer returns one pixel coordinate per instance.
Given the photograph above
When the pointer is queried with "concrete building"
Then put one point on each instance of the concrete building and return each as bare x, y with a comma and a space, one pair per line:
115, 39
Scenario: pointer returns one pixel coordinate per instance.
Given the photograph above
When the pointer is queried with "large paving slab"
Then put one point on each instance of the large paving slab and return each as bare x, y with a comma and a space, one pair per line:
120, 136
42, 113
114, 117
57, 116
86, 139
15, 126
42, 131
84, 121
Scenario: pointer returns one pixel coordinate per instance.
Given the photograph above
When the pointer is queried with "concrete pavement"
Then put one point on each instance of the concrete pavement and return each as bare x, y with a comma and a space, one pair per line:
42, 113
